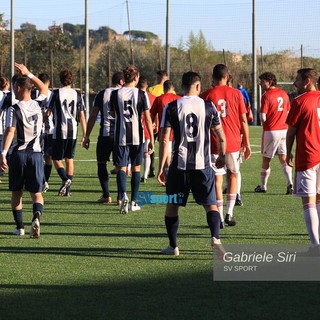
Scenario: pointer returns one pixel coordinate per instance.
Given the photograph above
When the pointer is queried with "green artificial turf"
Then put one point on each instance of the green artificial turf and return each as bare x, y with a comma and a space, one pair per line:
93, 263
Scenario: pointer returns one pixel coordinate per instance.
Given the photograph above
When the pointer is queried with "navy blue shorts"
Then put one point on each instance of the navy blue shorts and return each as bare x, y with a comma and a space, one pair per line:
200, 182
26, 171
47, 144
63, 148
104, 148
123, 155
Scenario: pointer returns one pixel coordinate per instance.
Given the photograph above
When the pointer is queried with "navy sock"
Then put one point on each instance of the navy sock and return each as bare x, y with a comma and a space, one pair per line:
122, 182
37, 210
17, 216
47, 171
62, 174
172, 225
135, 185
103, 176
213, 220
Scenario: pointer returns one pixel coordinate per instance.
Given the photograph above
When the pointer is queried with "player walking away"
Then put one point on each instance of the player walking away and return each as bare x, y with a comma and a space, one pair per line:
157, 111
128, 104
191, 119
230, 104
67, 107
275, 106
106, 134
48, 126
247, 102
303, 121
143, 85
23, 130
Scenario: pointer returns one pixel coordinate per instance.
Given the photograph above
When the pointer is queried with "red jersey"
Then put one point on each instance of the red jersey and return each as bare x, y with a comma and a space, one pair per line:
304, 115
151, 99
276, 105
230, 104
159, 104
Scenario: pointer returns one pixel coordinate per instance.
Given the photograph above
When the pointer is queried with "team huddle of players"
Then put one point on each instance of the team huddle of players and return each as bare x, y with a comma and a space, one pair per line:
202, 137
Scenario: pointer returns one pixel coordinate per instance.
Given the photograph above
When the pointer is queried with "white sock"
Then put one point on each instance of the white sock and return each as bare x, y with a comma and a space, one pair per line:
287, 170
239, 183
312, 222
220, 208
231, 200
264, 176
318, 211
147, 162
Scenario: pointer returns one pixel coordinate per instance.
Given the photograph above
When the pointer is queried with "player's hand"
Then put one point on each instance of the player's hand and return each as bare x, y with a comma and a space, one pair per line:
246, 152
289, 160
162, 177
150, 147
22, 68
3, 163
85, 143
220, 162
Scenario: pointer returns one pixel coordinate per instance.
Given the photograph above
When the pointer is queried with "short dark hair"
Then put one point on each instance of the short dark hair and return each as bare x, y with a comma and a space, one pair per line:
162, 73
117, 77
189, 78
130, 72
269, 76
309, 73
220, 71
143, 82
24, 82
167, 85
44, 77
66, 77
3, 82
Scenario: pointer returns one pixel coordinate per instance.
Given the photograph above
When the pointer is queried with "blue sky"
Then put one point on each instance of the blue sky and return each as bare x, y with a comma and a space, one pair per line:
226, 24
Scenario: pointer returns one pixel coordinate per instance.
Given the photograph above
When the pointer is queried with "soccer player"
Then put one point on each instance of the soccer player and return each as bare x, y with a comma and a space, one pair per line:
303, 121
23, 130
4, 91
191, 119
143, 85
230, 104
106, 134
157, 111
157, 89
67, 107
48, 126
275, 106
128, 104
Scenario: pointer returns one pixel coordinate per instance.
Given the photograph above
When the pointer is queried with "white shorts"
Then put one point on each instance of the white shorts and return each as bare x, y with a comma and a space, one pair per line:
274, 142
232, 163
307, 182
145, 145
217, 171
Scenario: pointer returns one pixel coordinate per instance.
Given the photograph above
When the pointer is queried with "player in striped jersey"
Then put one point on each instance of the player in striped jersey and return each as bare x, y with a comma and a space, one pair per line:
23, 130
128, 104
106, 133
67, 107
191, 119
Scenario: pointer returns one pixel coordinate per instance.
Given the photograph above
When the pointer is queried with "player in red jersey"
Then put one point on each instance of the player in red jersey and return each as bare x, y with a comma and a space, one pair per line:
275, 106
303, 120
157, 110
230, 104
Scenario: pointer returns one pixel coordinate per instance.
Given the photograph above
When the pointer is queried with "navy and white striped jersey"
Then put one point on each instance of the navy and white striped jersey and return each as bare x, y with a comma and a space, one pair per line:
102, 101
191, 118
129, 104
5, 97
48, 125
66, 103
27, 118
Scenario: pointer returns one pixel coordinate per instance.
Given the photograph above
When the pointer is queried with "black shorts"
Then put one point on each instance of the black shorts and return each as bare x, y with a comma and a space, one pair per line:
200, 182
104, 148
47, 144
26, 170
63, 148
123, 155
